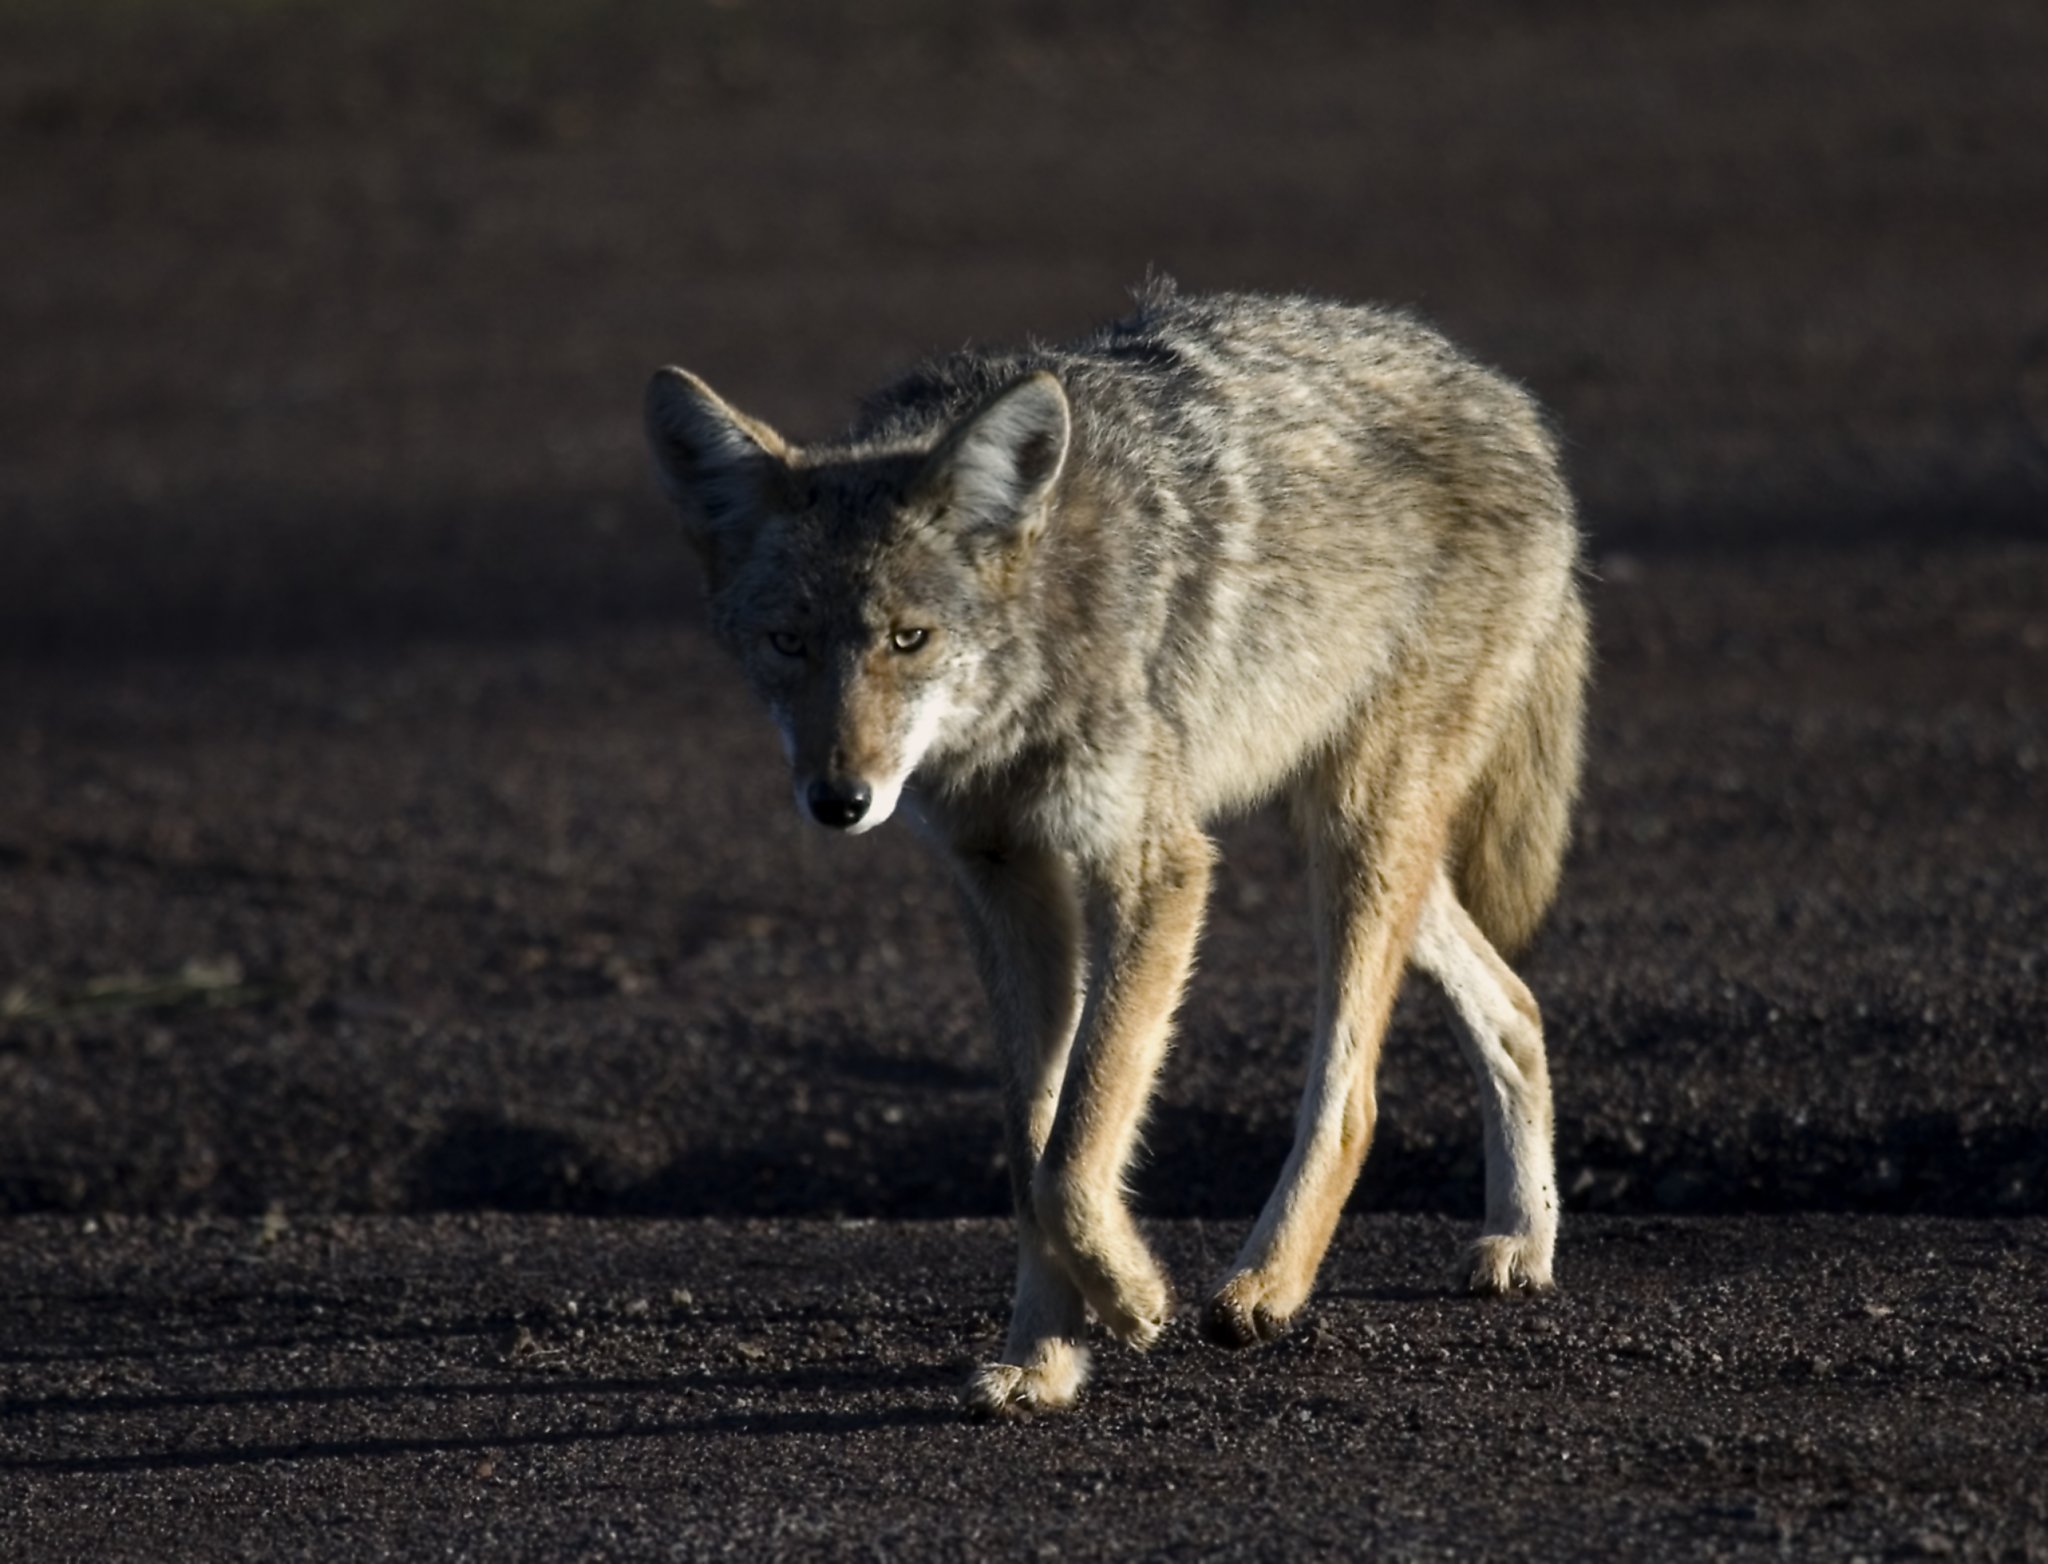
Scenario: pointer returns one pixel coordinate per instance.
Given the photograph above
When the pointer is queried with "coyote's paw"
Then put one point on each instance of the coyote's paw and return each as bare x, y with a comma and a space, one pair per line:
1245, 1312
1050, 1382
1137, 1313
1504, 1263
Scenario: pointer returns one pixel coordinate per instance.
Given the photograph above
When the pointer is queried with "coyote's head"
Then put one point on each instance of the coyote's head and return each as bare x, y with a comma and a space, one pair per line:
865, 588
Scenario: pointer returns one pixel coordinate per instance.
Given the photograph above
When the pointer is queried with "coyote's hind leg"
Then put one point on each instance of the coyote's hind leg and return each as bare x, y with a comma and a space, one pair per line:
1500, 1032
1370, 862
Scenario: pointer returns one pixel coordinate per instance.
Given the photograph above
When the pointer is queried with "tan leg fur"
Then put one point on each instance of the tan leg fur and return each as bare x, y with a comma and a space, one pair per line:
1375, 839
1146, 914
1025, 921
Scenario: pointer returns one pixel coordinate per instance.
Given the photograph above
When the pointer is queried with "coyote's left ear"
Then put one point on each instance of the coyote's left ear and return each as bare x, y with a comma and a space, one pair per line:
717, 464
993, 473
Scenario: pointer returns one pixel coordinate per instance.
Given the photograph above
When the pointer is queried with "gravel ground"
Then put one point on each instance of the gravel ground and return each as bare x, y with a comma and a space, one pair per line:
1811, 1387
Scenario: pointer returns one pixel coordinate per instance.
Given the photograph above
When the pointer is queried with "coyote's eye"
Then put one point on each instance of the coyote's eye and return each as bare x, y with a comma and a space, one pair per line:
909, 640
785, 643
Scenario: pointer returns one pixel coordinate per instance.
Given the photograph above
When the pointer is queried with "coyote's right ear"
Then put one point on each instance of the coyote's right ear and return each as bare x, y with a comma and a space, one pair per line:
995, 471
716, 463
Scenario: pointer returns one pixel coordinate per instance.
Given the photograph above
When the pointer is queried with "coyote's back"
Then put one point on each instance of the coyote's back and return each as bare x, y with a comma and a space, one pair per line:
1271, 512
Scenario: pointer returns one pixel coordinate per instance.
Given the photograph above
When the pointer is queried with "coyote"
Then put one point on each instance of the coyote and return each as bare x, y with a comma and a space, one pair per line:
1075, 603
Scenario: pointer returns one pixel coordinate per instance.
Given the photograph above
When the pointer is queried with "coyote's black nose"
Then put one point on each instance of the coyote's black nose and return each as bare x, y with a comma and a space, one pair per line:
839, 804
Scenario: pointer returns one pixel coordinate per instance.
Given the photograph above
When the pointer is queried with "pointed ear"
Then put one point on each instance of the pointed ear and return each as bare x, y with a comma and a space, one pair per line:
717, 464
992, 474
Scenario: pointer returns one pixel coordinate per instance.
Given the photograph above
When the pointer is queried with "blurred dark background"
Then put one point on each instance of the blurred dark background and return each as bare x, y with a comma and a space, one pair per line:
328, 322
377, 830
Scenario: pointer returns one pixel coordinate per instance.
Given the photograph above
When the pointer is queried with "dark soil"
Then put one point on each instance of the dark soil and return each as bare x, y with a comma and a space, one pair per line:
448, 1102
492, 1386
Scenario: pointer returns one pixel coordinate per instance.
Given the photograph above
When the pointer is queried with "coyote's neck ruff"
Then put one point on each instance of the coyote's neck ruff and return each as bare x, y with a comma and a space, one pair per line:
1082, 600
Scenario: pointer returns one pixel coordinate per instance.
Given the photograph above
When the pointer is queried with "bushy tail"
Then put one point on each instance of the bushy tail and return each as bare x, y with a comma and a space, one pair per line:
1507, 846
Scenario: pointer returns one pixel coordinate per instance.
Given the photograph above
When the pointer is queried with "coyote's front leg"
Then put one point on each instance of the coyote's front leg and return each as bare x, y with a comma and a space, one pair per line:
1024, 917
1145, 913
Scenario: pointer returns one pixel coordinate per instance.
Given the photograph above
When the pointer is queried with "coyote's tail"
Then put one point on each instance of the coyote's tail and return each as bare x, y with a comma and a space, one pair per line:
1507, 845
